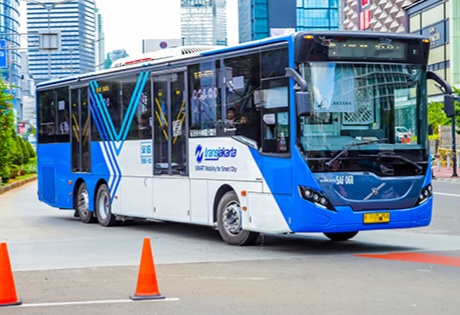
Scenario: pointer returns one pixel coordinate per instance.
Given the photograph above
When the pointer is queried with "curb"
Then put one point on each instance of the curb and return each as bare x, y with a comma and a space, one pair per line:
17, 184
449, 179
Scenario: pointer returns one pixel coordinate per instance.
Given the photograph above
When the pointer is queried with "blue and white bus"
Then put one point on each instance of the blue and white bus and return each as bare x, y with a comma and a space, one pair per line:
290, 134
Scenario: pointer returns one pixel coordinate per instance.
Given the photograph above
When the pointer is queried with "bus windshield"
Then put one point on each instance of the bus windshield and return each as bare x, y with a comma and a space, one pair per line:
365, 117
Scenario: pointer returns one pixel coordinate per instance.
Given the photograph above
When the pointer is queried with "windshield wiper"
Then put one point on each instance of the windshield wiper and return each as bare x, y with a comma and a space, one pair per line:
345, 150
393, 156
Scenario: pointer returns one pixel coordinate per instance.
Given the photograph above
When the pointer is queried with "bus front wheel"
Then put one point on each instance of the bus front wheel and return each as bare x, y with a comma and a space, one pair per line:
230, 221
338, 237
104, 207
82, 205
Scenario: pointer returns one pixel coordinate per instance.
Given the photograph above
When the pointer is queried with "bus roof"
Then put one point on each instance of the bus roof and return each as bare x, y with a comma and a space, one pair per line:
183, 52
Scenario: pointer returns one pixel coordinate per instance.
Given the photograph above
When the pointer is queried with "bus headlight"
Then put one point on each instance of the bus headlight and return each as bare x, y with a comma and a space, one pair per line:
424, 194
316, 197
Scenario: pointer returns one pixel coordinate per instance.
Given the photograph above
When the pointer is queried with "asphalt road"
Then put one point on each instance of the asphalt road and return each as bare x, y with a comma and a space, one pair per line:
62, 266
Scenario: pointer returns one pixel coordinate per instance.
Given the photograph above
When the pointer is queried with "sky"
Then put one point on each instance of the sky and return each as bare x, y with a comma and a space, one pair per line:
127, 22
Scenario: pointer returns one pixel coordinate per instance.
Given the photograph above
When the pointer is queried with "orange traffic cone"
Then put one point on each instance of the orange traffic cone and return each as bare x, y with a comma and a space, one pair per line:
7, 289
147, 286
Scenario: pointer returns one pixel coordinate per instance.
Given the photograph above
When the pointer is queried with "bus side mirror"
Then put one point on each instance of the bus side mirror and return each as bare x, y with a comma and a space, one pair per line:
449, 107
302, 100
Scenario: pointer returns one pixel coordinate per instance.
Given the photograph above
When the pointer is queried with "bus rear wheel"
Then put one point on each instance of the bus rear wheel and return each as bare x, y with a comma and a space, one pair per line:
230, 221
82, 205
338, 237
104, 207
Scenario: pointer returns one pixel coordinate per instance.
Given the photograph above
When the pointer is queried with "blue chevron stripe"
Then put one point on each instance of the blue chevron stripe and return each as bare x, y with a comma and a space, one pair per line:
108, 151
133, 106
115, 180
98, 119
102, 108
112, 141
134, 102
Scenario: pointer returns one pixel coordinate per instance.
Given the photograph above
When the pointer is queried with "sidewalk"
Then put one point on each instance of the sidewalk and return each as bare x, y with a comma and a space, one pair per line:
445, 173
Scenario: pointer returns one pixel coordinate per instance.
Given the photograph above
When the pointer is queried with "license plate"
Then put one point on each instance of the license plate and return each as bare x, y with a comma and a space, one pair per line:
378, 217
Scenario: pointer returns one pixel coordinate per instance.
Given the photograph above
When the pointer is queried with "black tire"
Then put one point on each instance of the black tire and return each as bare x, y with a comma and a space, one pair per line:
82, 205
229, 221
103, 207
339, 237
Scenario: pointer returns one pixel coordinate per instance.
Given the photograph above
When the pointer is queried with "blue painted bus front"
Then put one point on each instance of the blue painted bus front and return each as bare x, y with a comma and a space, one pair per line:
304, 216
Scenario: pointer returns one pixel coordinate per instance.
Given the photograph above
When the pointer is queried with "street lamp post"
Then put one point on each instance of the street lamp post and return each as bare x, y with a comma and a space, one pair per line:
454, 145
48, 7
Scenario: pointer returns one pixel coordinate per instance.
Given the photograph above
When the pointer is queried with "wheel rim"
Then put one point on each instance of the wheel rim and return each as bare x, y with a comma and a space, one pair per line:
231, 218
104, 205
83, 202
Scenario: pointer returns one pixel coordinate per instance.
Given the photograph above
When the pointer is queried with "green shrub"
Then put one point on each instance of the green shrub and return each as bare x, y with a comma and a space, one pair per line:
30, 149
18, 155
25, 152
14, 171
30, 168
5, 173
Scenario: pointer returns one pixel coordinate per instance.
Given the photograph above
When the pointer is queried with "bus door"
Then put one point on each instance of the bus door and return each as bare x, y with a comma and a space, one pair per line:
80, 130
170, 130
276, 137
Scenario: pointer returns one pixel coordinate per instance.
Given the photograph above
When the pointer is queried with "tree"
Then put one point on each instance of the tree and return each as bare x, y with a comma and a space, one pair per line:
16, 149
25, 152
30, 149
437, 117
7, 132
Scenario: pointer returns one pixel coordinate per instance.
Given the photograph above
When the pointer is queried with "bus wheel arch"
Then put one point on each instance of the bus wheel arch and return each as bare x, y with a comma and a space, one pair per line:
220, 193
103, 205
81, 203
229, 219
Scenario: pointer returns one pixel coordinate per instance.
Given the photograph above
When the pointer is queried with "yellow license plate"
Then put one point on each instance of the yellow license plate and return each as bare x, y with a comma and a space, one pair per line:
378, 217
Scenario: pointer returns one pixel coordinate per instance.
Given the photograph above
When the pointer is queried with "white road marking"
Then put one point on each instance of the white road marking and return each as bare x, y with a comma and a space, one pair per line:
92, 302
447, 194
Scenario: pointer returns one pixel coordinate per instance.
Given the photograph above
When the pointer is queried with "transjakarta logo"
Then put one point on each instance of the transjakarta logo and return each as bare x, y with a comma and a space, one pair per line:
208, 154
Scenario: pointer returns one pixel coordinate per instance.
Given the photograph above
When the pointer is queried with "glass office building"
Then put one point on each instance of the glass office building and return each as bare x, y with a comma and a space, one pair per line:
10, 60
317, 15
204, 22
10, 39
263, 18
75, 21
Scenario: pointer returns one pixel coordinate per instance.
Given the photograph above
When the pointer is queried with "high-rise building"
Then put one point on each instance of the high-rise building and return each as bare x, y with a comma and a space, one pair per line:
381, 16
75, 21
10, 42
317, 15
99, 42
439, 21
264, 18
204, 22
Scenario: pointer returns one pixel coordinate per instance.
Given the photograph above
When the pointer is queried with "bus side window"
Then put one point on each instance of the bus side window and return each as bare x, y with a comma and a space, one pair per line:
242, 84
63, 123
204, 99
46, 116
275, 117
